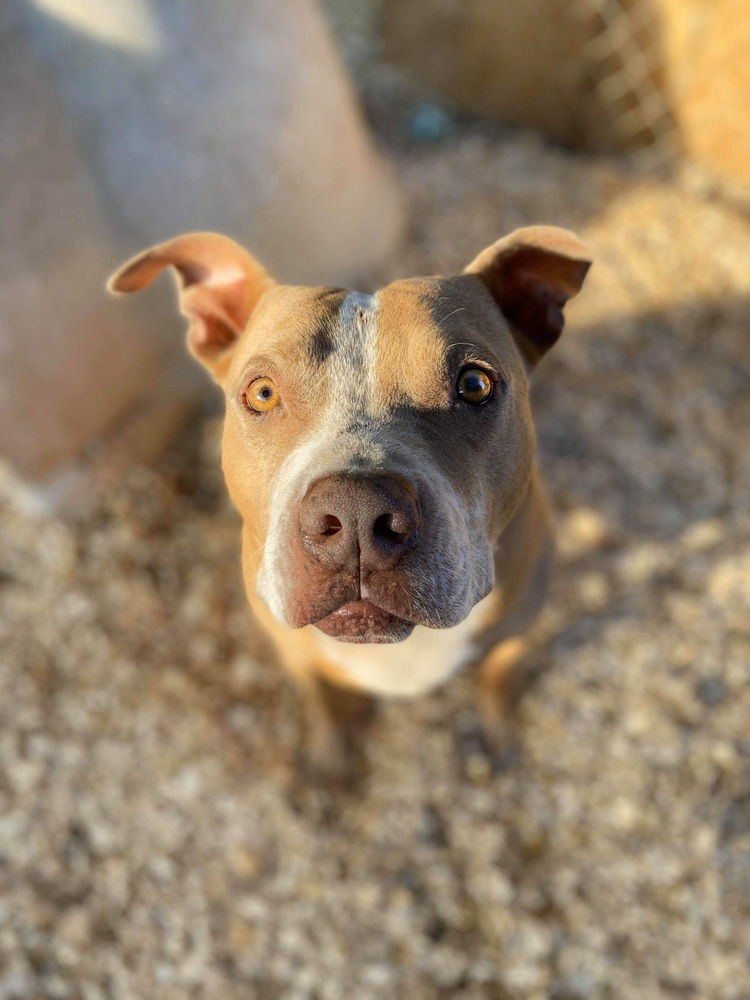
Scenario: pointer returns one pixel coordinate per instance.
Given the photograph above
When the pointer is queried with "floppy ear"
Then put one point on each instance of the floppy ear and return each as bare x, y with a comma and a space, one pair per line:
219, 285
531, 274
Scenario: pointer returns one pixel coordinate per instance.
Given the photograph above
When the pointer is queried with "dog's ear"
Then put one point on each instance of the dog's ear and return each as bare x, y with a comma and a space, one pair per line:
219, 285
531, 274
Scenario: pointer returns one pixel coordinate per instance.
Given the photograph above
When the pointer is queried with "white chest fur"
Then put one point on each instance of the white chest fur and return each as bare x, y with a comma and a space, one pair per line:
411, 667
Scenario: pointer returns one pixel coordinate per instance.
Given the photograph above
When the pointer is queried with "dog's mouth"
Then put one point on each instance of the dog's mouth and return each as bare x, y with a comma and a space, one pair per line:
362, 621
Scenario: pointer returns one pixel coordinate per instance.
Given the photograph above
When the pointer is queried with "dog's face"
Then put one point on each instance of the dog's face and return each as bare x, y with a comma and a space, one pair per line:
375, 445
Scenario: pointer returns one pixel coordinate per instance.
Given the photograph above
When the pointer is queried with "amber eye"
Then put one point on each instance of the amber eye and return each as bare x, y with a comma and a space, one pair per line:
474, 386
262, 395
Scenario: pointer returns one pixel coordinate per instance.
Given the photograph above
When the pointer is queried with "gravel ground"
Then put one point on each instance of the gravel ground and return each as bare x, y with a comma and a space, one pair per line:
154, 840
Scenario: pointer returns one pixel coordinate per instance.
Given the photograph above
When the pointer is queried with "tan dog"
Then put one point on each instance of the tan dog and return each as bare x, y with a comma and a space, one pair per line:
380, 449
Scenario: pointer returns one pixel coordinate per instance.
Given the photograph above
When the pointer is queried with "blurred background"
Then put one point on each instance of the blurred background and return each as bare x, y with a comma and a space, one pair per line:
155, 841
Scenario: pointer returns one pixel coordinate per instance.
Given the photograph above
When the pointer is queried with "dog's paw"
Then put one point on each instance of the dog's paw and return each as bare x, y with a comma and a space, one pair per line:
329, 761
332, 755
502, 745
330, 768
486, 750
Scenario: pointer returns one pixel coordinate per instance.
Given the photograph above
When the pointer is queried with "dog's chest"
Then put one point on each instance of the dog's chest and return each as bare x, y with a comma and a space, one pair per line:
411, 667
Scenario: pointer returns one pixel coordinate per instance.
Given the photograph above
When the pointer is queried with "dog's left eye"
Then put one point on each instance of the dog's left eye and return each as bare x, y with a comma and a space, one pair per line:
262, 395
474, 386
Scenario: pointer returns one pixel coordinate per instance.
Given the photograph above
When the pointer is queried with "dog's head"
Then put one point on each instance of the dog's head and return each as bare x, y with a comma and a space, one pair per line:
375, 445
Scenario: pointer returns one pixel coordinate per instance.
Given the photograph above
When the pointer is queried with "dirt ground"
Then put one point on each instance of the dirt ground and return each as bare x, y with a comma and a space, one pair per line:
154, 842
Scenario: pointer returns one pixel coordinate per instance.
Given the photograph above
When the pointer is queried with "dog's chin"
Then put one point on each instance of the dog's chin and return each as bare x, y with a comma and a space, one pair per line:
363, 622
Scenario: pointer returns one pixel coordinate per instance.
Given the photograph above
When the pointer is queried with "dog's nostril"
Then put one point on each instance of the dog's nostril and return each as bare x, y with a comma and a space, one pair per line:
393, 527
332, 525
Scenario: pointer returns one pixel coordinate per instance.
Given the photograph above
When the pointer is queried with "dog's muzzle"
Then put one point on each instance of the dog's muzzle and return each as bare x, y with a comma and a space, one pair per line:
348, 540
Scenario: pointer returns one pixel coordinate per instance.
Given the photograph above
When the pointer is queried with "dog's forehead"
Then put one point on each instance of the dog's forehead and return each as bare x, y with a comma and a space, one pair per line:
293, 320
400, 347
421, 320
391, 344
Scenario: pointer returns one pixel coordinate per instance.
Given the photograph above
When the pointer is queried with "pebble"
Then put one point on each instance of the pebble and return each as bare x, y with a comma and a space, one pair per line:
244, 863
711, 691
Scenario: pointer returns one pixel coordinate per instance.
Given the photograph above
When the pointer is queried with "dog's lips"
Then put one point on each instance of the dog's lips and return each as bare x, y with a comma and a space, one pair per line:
362, 621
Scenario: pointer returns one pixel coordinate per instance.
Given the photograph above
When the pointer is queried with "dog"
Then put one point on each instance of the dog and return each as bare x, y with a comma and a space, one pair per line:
380, 451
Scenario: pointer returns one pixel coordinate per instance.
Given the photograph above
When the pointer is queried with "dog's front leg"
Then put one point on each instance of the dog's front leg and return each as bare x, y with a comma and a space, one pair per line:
323, 755
333, 712
334, 716
496, 700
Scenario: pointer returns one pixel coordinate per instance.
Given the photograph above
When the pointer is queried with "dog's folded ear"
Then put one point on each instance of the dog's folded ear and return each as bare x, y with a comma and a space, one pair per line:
531, 274
219, 285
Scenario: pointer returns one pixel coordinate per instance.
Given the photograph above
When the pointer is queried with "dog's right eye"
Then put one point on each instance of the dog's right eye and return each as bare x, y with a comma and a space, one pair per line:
262, 395
474, 386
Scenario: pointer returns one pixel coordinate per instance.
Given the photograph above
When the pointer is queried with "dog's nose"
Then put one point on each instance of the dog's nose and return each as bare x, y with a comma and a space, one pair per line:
374, 520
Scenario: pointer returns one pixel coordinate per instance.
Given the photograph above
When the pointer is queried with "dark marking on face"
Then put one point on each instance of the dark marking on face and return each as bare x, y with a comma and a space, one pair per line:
321, 345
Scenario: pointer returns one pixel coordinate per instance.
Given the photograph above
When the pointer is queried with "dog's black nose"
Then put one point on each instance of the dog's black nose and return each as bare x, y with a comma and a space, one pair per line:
370, 520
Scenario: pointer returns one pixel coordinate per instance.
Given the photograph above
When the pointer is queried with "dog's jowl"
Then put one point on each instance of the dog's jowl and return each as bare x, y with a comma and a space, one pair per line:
380, 450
